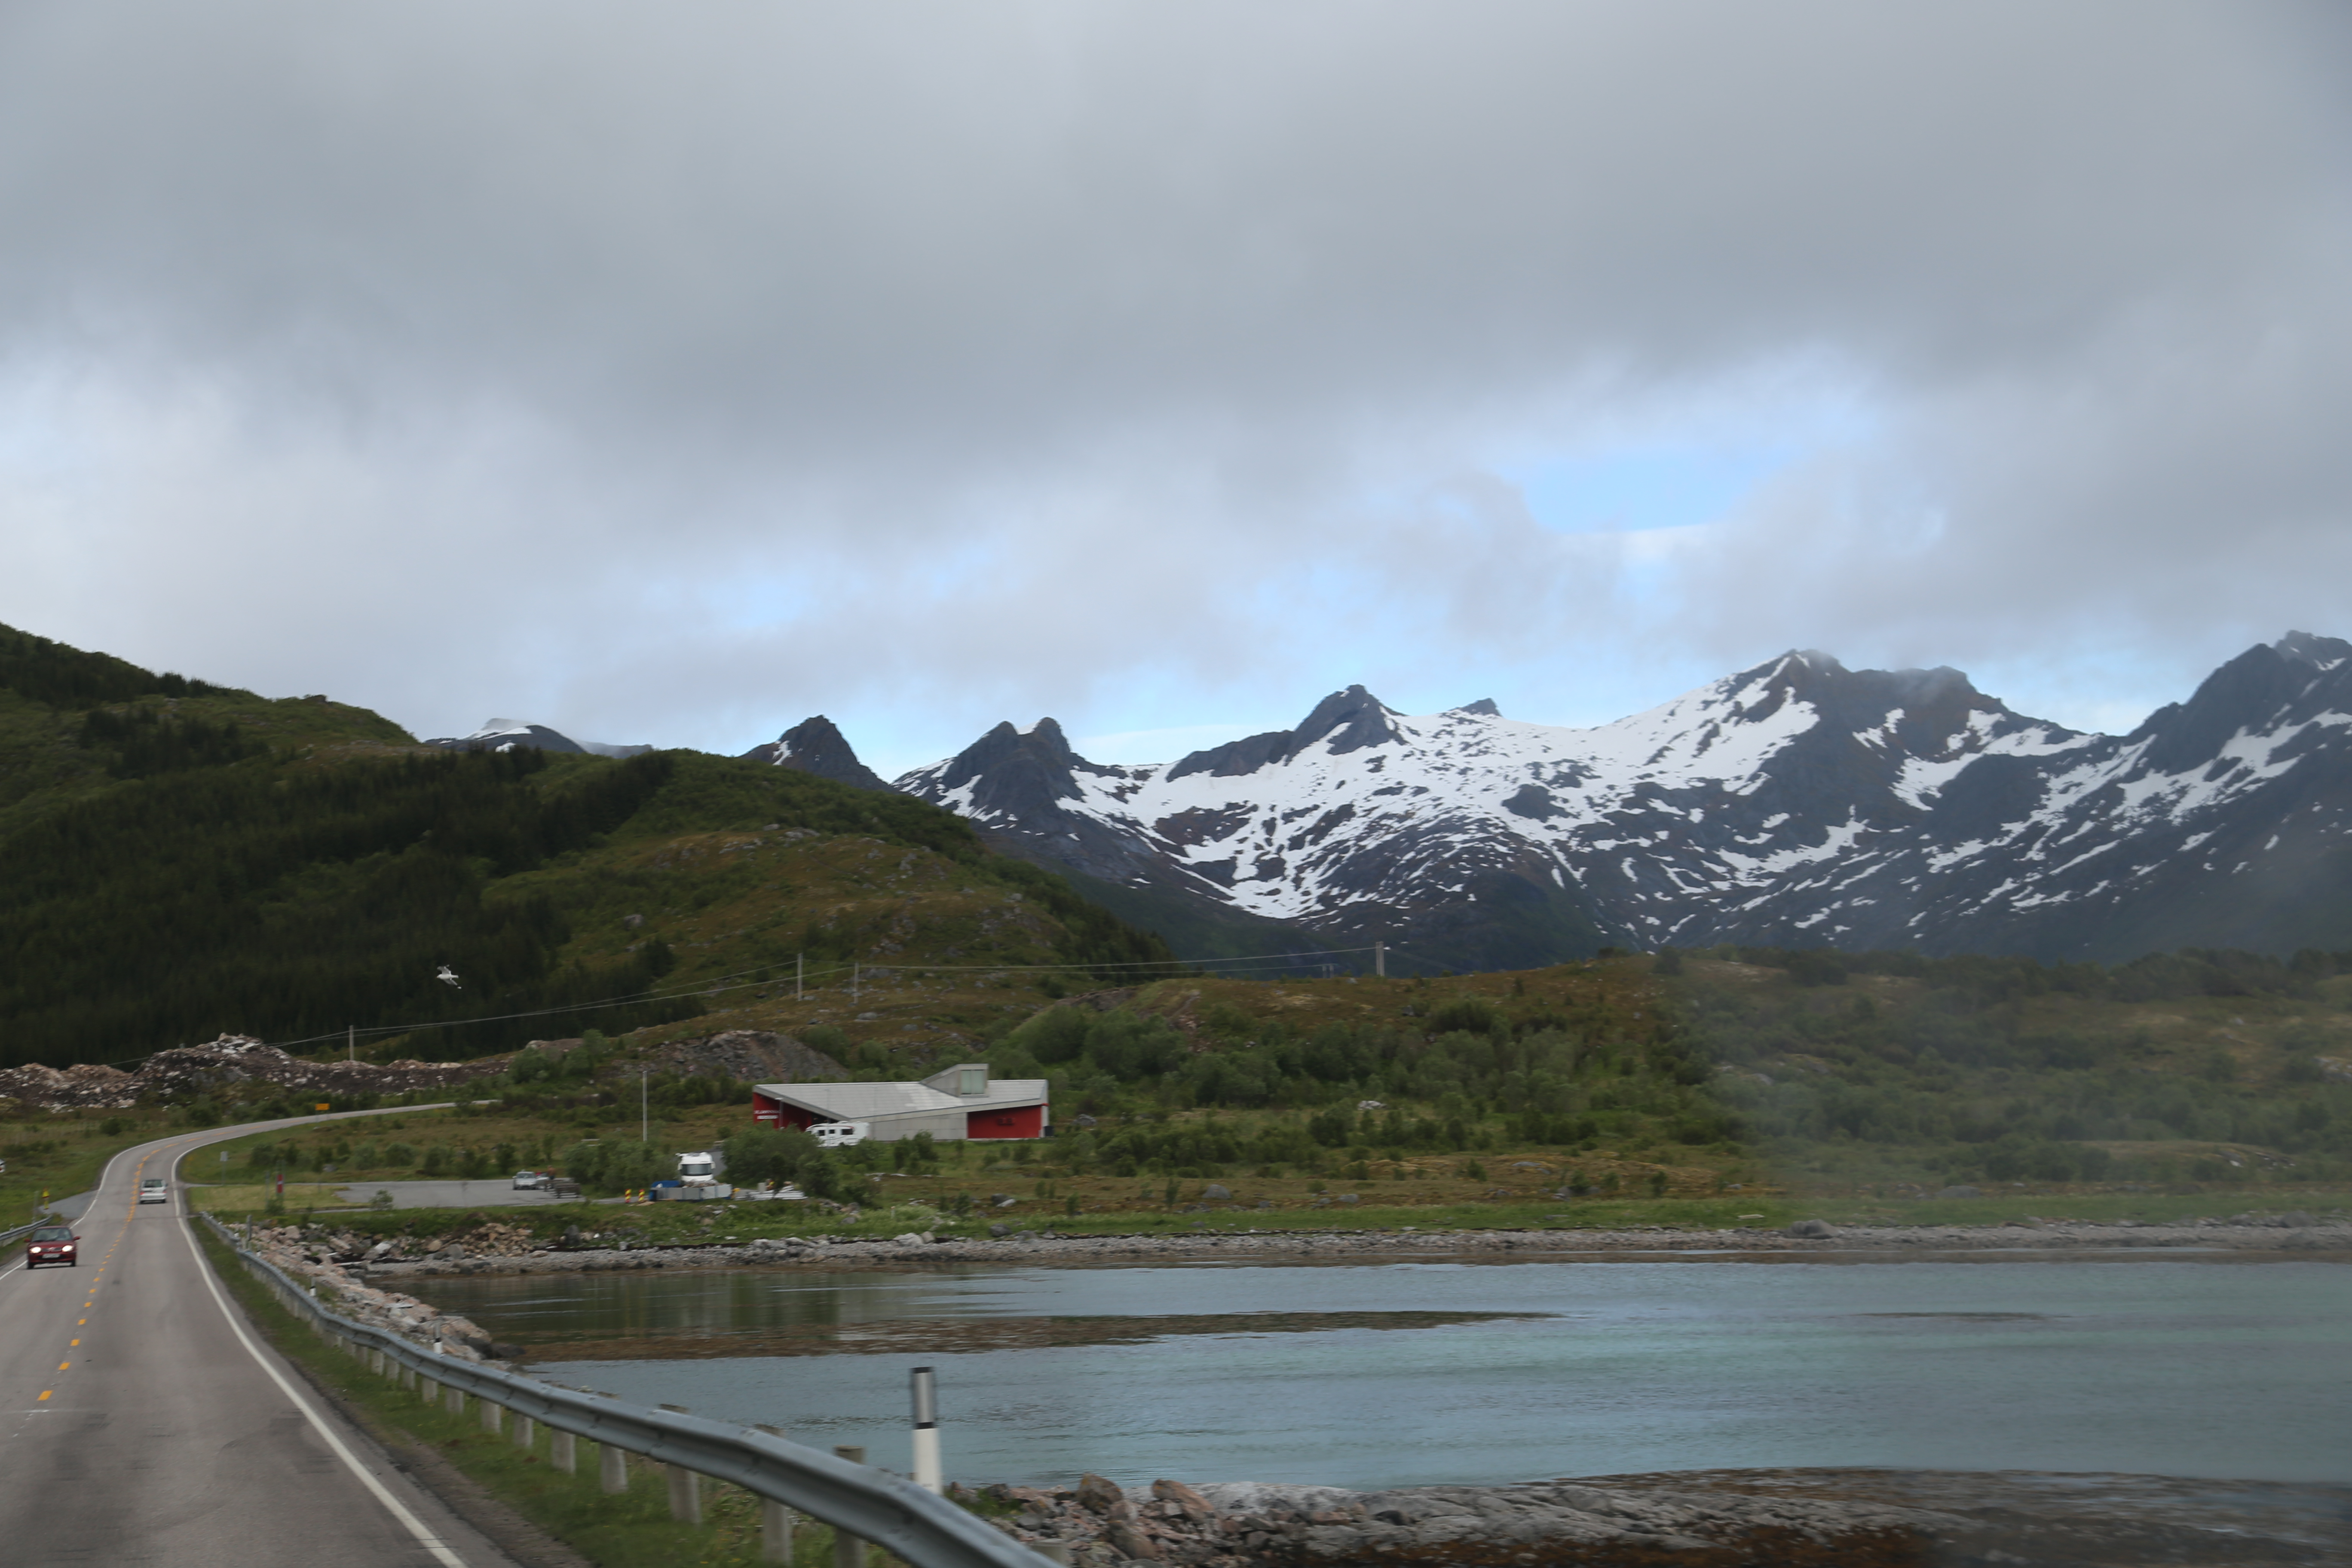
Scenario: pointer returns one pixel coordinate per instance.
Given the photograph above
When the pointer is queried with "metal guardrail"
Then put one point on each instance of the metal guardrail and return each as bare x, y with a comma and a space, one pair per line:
11, 1237
862, 1502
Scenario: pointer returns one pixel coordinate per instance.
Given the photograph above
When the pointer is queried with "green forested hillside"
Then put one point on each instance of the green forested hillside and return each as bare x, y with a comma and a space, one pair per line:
2197, 1066
178, 860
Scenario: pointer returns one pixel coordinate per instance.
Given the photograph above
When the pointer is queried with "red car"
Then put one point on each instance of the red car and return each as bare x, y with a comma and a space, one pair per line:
52, 1244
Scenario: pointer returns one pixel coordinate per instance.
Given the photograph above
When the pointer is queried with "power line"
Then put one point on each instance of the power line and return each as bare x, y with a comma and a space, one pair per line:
719, 985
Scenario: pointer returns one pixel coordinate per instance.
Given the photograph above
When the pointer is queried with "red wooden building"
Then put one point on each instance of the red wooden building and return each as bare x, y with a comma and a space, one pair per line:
962, 1102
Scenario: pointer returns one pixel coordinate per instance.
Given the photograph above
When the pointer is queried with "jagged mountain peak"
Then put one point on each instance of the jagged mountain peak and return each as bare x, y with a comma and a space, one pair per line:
817, 745
1485, 707
2322, 653
1349, 720
1007, 770
2267, 689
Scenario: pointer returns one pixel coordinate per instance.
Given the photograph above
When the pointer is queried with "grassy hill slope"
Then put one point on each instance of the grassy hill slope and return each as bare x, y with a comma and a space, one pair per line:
1883, 1071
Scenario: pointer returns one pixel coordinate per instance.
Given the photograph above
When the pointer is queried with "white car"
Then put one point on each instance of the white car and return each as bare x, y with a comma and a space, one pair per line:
840, 1134
531, 1180
153, 1191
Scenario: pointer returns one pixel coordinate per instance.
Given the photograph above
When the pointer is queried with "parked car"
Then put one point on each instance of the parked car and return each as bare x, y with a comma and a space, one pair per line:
531, 1180
153, 1191
53, 1244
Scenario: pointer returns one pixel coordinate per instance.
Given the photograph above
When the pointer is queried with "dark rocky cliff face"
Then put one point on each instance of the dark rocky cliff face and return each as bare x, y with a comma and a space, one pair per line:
816, 746
1797, 802
2221, 821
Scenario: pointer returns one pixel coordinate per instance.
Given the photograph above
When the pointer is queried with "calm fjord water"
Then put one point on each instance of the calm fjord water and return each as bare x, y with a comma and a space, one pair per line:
2174, 1367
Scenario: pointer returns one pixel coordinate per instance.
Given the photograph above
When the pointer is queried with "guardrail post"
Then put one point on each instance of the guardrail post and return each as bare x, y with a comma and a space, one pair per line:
612, 1470
775, 1532
775, 1522
494, 1418
526, 1432
562, 1454
376, 1361
455, 1398
848, 1551
685, 1495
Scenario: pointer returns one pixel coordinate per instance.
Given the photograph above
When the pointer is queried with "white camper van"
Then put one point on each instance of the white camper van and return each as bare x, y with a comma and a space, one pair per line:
840, 1134
698, 1170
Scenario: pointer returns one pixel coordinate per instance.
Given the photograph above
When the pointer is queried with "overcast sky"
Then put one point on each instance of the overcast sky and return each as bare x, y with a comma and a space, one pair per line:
669, 374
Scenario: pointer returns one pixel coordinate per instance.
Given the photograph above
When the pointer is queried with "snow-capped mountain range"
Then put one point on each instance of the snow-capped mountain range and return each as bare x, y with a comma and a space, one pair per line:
1798, 804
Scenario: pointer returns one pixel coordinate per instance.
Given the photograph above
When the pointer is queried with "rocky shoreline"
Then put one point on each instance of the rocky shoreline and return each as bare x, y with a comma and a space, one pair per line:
1786, 1519
497, 1248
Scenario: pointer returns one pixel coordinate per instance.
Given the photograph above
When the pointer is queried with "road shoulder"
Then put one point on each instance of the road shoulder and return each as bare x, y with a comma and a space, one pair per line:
513, 1539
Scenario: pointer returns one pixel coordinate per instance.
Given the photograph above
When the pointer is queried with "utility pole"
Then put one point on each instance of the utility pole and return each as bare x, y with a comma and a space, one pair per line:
853, 983
644, 1117
352, 1042
799, 973
1380, 959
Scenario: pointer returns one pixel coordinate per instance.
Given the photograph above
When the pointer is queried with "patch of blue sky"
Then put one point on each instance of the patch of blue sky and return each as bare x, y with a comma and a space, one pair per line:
1689, 459
754, 602
1643, 488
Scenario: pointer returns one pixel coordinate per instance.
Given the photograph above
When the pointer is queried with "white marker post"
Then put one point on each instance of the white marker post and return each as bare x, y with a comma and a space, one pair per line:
927, 1429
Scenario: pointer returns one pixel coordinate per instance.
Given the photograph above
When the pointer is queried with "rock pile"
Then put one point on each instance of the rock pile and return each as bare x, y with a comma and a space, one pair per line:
336, 1266
185, 1071
2250, 1234
1735, 1518
751, 1056
1096, 1524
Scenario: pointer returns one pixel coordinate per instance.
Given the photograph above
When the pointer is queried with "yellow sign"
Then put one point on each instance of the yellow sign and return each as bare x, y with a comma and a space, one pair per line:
326, 1108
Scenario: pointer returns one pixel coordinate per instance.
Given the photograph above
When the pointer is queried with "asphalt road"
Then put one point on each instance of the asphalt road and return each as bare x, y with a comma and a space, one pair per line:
492, 1192
142, 1421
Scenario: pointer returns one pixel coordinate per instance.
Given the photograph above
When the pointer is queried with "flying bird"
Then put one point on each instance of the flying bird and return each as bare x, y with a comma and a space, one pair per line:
448, 976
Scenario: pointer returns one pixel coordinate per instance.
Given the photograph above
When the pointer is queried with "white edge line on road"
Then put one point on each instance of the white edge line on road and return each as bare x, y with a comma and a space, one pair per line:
416, 1526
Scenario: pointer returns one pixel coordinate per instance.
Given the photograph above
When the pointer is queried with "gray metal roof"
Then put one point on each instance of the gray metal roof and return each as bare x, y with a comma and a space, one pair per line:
867, 1102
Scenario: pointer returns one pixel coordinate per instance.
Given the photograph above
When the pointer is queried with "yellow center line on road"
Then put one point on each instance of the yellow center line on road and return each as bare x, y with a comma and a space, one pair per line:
45, 1394
64, 1365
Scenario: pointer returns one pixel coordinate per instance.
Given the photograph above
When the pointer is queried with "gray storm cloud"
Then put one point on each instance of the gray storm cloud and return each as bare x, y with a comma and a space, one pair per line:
671, 371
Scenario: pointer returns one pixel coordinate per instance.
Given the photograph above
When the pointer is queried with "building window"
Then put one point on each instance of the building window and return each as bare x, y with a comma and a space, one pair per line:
971, 1081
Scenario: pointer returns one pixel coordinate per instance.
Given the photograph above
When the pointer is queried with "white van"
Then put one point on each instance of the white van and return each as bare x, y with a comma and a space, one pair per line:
840, 1134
